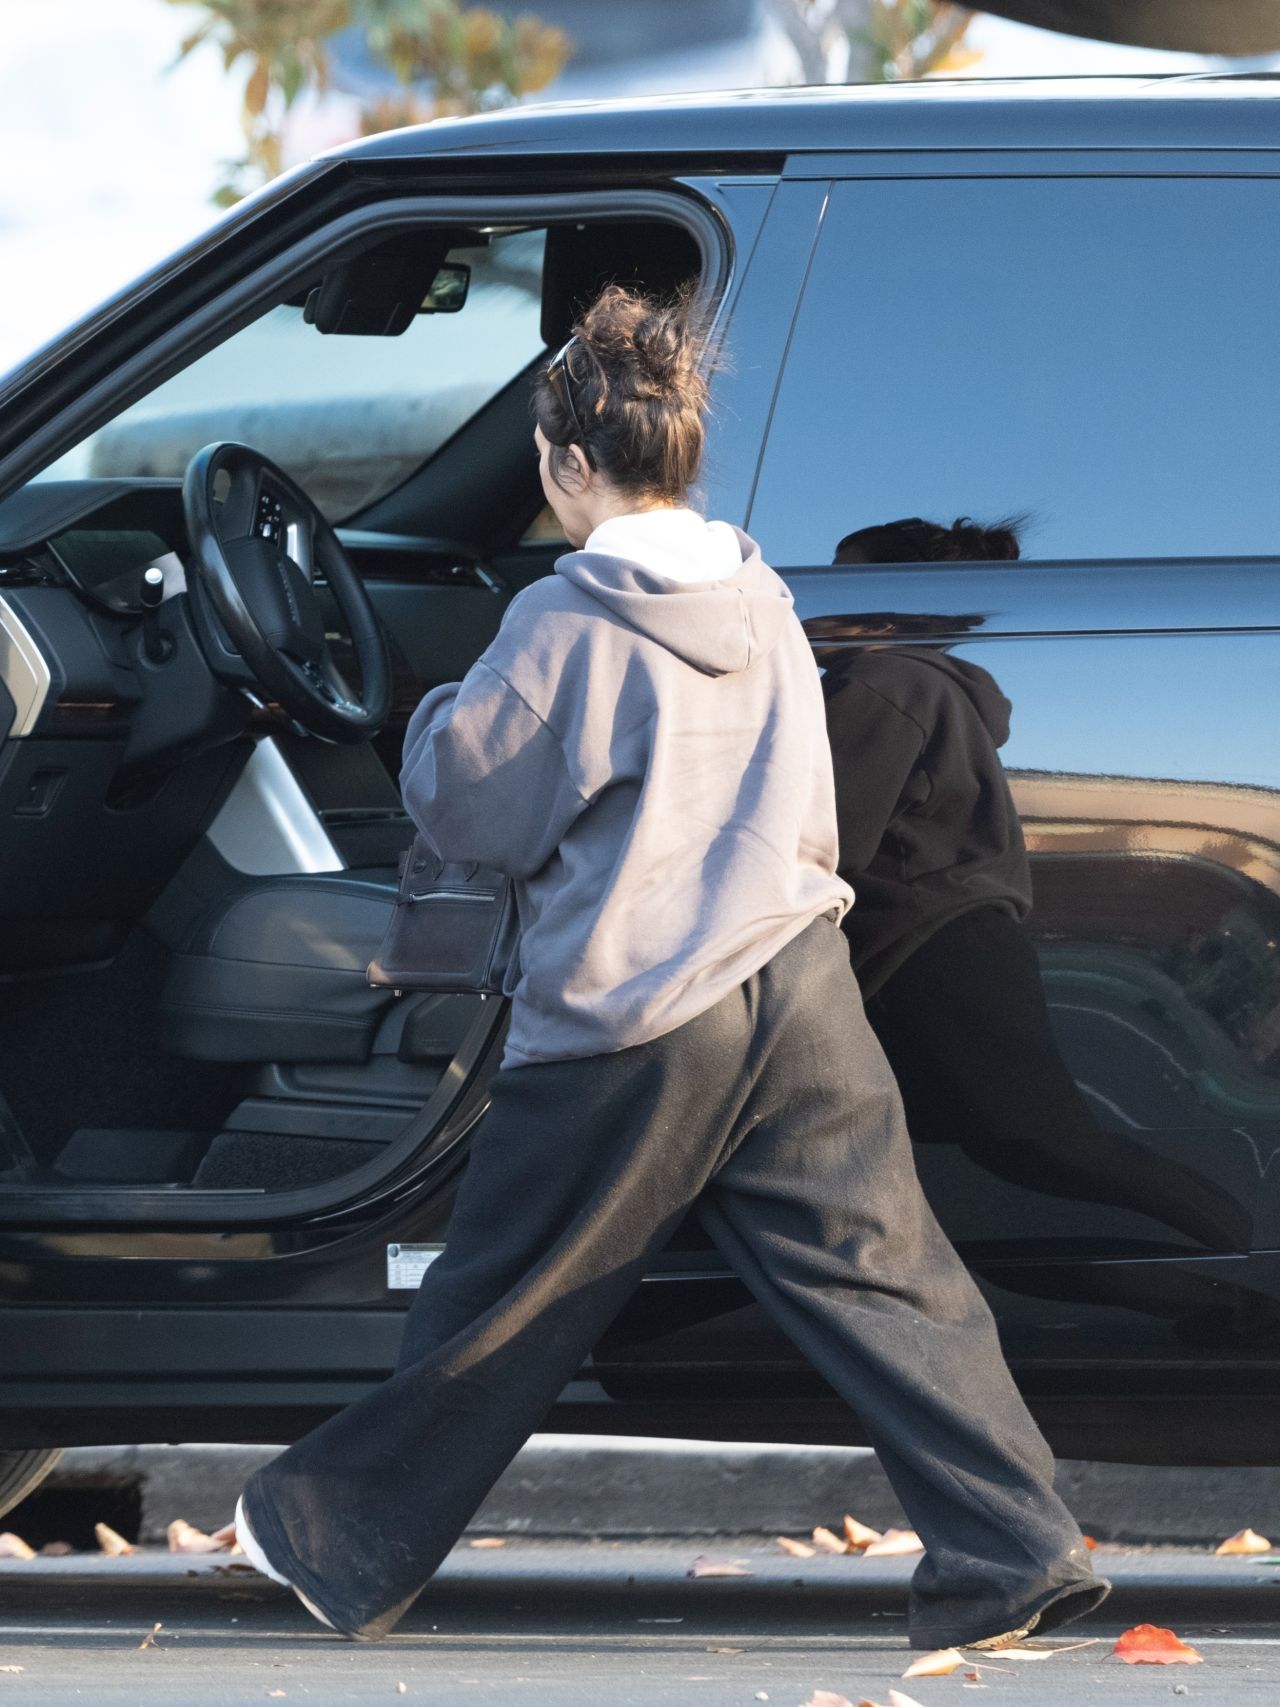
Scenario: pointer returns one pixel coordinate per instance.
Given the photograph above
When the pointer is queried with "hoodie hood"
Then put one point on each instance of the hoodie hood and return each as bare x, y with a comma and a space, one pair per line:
718, 626
980, 688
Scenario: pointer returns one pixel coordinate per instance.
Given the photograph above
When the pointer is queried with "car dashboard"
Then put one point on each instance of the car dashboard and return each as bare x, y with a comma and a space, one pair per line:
114, 752
95, 537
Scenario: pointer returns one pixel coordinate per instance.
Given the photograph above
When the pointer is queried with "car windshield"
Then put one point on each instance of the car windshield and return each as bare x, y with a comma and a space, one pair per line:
348, 417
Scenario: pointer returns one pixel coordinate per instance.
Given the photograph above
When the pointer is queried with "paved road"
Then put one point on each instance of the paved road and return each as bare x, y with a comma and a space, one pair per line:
603, 1625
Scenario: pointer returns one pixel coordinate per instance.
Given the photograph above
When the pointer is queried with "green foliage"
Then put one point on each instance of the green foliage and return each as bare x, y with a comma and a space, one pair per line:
887, 40
906, 39
471, 59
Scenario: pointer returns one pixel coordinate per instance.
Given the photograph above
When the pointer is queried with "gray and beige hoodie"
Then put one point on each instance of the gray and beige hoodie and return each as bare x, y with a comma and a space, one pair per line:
643, 749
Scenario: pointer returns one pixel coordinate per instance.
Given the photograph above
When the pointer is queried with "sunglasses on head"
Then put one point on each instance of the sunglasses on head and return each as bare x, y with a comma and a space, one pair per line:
561, 382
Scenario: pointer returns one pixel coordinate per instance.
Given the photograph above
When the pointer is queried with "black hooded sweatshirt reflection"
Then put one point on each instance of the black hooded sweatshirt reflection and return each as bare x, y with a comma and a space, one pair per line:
926, 822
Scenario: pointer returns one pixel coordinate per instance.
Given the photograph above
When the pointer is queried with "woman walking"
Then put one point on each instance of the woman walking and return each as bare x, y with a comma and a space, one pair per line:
643, 749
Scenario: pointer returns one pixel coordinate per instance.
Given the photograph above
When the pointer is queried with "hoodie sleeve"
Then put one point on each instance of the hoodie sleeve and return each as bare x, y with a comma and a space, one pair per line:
875, 748
484, 778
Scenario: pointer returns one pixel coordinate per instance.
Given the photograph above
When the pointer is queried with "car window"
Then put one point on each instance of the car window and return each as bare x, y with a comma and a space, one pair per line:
348, 417
1098, 355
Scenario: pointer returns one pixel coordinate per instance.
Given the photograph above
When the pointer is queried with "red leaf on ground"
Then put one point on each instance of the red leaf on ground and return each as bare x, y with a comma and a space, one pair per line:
489, 1541
1089, 1542
1150, 1645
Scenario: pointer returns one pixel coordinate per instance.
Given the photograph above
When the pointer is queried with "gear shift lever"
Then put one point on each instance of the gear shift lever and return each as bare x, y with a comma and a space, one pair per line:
155, 643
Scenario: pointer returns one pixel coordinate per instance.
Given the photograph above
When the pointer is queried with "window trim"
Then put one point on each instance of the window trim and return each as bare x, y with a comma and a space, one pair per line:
263, 286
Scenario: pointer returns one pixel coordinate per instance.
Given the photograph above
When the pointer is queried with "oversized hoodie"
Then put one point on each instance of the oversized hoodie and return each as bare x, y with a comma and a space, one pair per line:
928, 828
645, 753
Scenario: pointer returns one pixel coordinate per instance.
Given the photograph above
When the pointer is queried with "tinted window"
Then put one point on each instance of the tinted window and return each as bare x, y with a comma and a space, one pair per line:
1098, 354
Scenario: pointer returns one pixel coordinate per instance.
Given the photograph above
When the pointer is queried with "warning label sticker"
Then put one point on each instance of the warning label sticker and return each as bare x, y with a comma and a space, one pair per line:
406, 1265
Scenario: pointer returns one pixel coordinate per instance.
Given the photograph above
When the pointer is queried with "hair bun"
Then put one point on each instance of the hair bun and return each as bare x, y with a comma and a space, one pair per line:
996, 544
653, 343
638, 394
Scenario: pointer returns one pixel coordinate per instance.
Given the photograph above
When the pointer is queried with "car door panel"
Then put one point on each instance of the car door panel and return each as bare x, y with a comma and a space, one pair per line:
1144, 685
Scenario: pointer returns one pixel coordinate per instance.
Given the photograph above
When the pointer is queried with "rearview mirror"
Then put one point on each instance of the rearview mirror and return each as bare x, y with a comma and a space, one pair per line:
448, 289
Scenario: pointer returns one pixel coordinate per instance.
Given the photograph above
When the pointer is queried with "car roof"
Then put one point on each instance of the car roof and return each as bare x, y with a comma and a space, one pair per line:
1203, 110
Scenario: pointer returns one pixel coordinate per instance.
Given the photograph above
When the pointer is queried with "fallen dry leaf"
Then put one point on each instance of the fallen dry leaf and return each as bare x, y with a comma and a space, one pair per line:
826, 1542
1243, 1541
490, 1541
828, 1698
894, 1541
1150, 1645
184, 1537
797, 1549
1027, 1651
149, 1640
56, 1550
11, 1668
941, 1663
1090, 1543
857, 1534
896, 1699
1038, 1653
111, 1543
703, 1566
14, 1547
272, 1694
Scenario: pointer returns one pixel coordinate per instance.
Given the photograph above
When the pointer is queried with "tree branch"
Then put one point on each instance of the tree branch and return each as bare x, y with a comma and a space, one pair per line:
806, 35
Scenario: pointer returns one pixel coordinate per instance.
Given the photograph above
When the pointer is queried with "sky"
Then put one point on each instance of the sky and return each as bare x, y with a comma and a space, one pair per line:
112, 152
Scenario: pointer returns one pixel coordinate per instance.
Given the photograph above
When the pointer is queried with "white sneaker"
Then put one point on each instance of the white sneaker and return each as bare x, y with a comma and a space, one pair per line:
258, 1559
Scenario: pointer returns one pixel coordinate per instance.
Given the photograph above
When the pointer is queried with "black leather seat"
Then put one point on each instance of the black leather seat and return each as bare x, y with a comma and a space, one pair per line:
276, 972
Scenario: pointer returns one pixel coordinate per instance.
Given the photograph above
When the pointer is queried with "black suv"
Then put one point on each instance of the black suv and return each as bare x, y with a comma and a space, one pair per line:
225, 1159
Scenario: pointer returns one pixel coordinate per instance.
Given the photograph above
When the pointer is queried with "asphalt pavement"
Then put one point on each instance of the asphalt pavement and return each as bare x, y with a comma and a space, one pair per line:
607, 1624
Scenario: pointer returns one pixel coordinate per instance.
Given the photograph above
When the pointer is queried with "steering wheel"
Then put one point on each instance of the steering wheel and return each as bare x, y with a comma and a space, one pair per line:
257, 540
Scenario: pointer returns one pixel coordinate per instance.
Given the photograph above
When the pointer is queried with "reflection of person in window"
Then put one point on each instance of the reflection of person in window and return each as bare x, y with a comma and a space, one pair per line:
931, 843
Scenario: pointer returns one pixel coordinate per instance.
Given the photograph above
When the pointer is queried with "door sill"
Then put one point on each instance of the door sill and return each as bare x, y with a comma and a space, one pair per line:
429, 1140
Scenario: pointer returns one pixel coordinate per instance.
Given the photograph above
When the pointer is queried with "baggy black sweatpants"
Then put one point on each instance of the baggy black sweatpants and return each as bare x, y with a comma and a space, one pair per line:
775, 1111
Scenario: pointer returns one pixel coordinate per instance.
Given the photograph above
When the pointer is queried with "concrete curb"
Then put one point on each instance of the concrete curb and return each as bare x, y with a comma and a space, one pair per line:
583, 1485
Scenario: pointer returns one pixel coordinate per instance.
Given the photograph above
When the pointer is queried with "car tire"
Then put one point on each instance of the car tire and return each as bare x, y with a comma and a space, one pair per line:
22, 1471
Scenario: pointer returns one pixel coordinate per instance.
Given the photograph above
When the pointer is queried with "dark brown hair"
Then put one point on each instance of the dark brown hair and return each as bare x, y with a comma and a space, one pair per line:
915, 541
639, 391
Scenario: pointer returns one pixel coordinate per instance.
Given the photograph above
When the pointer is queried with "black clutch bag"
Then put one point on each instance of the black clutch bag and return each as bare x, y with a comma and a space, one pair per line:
453, 927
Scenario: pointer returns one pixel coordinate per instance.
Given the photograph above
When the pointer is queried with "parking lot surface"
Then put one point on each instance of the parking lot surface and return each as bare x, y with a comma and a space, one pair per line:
608, 1625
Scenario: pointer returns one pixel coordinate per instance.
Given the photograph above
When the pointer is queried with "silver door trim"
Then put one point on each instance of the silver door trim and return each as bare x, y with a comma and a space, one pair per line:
23, 671
267, 827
